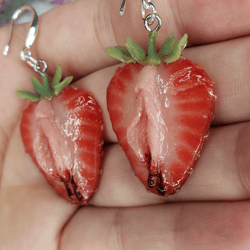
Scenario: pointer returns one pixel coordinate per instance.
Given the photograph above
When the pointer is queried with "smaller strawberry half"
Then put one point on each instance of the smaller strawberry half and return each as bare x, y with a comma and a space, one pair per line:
161, 106
62, 131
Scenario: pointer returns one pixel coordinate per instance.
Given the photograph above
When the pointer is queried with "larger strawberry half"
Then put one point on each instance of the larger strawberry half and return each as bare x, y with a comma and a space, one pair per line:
63, 135
161, 107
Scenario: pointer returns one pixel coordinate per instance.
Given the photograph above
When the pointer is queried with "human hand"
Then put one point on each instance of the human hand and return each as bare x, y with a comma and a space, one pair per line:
123, 214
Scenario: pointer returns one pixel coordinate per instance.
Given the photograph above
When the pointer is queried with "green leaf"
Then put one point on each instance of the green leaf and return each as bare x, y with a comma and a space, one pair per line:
58, 76
135, 50
178, 48
59, 87
48, 92
37, 86
120, 53
167, 47
27, 95
43, 90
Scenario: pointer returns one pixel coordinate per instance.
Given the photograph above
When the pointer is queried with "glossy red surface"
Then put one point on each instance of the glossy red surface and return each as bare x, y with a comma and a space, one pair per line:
64, 137
164, 115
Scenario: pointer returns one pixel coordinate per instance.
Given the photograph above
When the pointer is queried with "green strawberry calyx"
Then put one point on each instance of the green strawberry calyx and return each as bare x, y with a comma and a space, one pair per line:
133, 52
46, 89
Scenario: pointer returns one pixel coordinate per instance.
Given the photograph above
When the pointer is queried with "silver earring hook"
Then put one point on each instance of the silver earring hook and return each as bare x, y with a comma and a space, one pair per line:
31, 36
145, 4
32, 31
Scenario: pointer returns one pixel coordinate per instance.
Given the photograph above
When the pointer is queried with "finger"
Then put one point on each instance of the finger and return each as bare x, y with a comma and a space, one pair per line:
15, 75
3, 148
106, 28
32, 216
78, 43
29, 207
174, 226
209, 21
221, 173
97, 25
227, 64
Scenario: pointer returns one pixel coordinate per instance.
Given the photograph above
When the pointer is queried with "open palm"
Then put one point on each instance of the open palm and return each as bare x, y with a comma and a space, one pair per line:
122, 214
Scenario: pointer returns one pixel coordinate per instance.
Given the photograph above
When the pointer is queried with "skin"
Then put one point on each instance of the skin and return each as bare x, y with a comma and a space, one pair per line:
122, 214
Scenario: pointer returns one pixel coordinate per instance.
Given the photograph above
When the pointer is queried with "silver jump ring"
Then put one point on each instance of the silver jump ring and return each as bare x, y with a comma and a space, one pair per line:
37, 67
25, 54
147, 24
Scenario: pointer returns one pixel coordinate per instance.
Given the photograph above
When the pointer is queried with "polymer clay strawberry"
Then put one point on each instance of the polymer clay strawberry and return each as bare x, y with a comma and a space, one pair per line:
62, 131
161, 106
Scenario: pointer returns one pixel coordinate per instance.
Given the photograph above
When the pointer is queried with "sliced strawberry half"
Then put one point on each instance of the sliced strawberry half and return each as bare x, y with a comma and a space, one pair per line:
63, 133
64, 138
161, 116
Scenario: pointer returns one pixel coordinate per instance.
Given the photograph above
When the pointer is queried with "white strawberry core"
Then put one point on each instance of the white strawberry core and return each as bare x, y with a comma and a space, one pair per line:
147, 129
56, 155
171, 116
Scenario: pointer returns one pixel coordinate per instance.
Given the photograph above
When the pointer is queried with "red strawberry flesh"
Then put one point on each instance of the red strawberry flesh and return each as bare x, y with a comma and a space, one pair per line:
64, 138
164, 115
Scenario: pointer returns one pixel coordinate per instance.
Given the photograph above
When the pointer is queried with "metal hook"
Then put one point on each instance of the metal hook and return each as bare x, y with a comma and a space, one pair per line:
145, 5
32, 31
31, 36
122, 9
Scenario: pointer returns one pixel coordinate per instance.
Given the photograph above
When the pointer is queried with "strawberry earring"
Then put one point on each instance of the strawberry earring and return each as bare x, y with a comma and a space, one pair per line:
62, 129
161, 105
